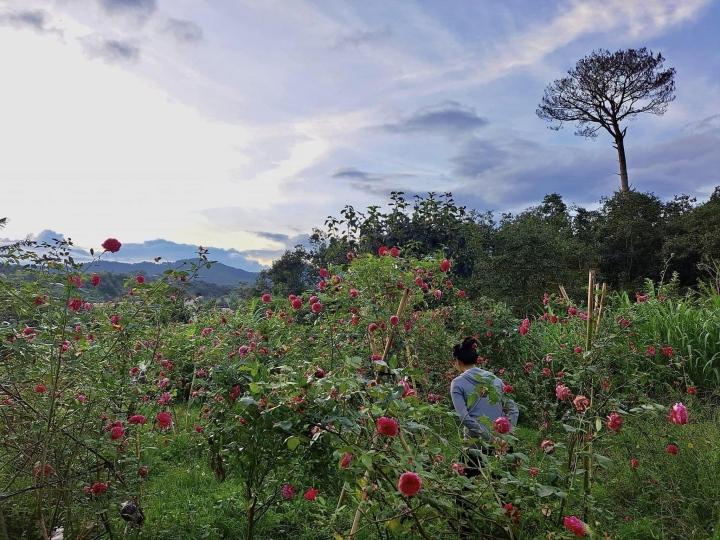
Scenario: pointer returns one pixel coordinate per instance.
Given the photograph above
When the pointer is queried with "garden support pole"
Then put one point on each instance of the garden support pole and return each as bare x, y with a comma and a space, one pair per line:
587, 458
603, 292
366, 477
398, 313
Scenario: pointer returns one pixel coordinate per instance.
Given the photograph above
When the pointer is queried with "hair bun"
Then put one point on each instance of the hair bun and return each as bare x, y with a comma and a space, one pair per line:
466, 351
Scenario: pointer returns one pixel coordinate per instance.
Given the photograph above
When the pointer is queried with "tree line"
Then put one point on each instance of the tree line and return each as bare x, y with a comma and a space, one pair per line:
515, 258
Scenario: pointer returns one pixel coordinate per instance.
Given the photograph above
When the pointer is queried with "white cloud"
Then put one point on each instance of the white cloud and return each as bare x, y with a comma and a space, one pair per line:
618, 19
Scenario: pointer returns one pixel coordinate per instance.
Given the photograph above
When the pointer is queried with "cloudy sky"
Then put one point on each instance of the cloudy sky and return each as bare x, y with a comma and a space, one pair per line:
240, 124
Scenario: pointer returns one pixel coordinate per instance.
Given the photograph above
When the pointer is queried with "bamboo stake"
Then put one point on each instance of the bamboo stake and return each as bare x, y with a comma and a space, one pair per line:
590, 308
587, 461
358, 512
564, 293
400, 309
600, 307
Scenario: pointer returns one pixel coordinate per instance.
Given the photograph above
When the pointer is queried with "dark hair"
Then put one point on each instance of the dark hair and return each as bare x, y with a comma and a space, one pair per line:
466, 352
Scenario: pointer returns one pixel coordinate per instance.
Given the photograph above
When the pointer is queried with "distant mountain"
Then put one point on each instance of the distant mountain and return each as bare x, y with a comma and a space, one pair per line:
217, 274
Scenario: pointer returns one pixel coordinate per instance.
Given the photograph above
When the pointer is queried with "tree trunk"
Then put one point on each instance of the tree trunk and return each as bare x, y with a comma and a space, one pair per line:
620, 147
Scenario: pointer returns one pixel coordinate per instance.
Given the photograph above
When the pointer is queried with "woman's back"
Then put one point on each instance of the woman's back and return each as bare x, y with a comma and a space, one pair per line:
478, 393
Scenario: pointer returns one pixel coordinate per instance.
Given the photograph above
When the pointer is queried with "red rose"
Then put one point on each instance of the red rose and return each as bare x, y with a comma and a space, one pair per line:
387, 426
98, 488
524, 327
140, 279
296, 303
575, 526
287, 491
112, 245
501, 425
95, 280
266, 298
383, 251
614, 421
409, 484
345, 460
445, 265
324, 273
581, 404
75, 304
117, 432
316, 307
394, 251
672, 449
311, 494
138, 419
164, 419
678, 414
39, 388
394, 320
634, 463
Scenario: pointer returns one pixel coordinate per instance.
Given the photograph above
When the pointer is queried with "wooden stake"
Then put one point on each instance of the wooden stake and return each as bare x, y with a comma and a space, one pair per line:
587, 461
603, 292
590, 309
398, 313
564, 293
358, 512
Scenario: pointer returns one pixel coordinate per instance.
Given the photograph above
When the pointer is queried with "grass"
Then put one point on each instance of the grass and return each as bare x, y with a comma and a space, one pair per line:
669, 496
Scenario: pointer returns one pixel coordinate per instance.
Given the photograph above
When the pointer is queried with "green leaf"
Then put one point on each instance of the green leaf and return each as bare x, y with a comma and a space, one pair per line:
603, 461
471, 400
367, 461
285, 425
414, 426
545, 491
292, 442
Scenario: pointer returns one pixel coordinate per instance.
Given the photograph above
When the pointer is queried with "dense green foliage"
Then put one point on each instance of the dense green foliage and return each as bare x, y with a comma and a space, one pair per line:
262, 421
630, 237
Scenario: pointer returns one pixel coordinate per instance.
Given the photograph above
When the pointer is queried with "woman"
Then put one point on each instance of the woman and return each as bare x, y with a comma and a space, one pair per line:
478, 393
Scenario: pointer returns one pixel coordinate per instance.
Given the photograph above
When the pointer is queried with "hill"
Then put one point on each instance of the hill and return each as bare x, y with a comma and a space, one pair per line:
217, 274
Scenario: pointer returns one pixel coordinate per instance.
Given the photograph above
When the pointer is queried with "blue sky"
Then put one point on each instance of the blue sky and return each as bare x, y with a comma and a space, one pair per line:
241, 124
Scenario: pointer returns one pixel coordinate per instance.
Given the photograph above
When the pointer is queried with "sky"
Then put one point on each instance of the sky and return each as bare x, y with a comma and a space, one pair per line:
240, 125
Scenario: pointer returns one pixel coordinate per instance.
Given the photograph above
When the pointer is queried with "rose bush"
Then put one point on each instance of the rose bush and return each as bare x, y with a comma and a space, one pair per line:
338, 395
